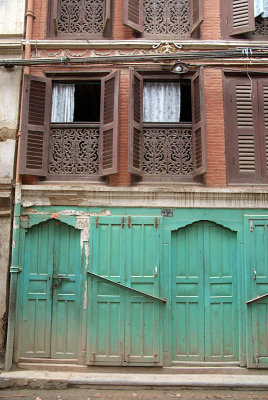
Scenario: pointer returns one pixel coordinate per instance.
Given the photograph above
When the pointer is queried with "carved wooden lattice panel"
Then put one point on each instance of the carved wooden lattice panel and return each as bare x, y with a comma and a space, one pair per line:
261, 26
80, 16
74, 151
167, 151
167, 17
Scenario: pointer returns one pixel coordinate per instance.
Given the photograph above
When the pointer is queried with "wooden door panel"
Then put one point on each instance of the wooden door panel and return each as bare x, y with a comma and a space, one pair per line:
221, 287
36, 292
142, 340
257, 242
106, 310
187, 294
204, 294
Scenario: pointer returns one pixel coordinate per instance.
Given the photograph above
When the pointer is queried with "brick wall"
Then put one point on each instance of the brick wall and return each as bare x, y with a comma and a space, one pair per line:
216, 173
216, 163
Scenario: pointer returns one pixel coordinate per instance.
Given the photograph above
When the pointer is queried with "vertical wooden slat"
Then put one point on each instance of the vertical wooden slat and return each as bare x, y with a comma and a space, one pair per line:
196, 14
241, 17
55, 16
199, 126
133, 14
107, 13
135, 124
263, 124
109, 124
35, 126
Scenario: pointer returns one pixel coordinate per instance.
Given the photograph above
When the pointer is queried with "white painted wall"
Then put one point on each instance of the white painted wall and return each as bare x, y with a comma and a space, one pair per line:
12, 17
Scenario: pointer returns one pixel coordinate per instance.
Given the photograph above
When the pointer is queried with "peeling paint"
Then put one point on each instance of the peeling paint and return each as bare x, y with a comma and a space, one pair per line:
86, 249
18, 194
85, 296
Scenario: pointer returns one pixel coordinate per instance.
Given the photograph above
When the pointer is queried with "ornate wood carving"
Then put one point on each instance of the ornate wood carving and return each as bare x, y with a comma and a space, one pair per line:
167, 18
167, 151
80, 16
74, 151
261, 25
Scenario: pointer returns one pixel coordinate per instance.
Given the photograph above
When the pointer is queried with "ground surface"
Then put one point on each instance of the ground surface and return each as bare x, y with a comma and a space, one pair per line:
88, 394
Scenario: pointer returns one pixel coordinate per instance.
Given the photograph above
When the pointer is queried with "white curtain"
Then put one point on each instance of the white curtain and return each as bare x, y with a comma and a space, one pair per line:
261, 7
161, 102
62, 102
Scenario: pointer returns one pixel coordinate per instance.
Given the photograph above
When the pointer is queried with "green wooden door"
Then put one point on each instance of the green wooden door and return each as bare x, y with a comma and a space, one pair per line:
204, 294
124, 326
50, 290
257, 303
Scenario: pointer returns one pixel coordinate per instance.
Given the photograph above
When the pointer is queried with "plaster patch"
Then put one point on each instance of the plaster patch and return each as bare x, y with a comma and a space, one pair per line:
6, 133
85, 296
82, 223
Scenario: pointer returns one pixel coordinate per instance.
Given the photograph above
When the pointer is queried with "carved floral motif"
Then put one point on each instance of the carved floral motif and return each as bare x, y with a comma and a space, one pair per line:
166, 17
167, 151
74, 151
80, 16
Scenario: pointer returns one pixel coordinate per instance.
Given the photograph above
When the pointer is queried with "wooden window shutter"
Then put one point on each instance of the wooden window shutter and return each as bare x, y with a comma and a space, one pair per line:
242, 126
133, 14
263, 123
35, 126
241, 17
196, 14
199, 124
107, 13
135, 142
109, 124
55, 16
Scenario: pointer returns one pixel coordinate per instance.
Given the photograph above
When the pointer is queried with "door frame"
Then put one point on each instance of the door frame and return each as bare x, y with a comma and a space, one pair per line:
80, 223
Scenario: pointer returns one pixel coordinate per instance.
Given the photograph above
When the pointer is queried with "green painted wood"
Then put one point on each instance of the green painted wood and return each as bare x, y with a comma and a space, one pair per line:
50, 316
120, 321
256, 236
204, 294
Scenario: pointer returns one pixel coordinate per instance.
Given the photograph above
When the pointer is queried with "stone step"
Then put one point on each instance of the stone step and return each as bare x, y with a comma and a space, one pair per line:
62, 366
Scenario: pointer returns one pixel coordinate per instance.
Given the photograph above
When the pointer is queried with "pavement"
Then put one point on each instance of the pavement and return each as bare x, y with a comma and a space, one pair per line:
19, 379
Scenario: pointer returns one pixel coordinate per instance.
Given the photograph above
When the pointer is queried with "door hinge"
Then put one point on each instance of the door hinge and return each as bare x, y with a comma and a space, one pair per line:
93, 357
251, 225
129, 222
156, 222
257, 359
96, 222
123, 223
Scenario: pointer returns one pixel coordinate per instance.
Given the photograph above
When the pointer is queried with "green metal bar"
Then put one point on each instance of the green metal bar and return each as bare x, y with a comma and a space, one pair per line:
127, 287
257, 298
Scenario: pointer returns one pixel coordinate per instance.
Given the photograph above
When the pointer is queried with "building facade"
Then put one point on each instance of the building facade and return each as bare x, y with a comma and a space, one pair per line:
12, 15
141, 204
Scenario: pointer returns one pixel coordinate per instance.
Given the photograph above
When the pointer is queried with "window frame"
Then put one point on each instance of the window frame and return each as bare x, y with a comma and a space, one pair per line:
135, 20
235, 174
52, 24
104, 169
136, 156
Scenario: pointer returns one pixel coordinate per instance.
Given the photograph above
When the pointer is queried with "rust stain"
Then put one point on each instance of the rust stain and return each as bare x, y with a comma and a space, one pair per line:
55, 216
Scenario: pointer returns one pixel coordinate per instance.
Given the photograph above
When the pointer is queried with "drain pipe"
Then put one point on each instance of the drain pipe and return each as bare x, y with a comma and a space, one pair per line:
15, 268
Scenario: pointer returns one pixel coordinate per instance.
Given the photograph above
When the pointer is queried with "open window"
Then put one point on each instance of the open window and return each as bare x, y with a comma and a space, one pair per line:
169, 19
245, 18
167, 127
70, 128
79, 19
246, 116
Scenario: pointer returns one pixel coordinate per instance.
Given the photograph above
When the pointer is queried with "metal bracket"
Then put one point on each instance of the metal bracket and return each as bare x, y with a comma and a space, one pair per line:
125, 287
257, 299
15, 270
251, 225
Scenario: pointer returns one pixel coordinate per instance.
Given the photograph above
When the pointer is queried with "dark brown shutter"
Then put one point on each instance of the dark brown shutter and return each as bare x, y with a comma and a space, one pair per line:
107, 13
133, 14
35, 126
135, 143
55, 16
109, 124
242, 141
263, 122
199, 125
241, 17
196, 14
